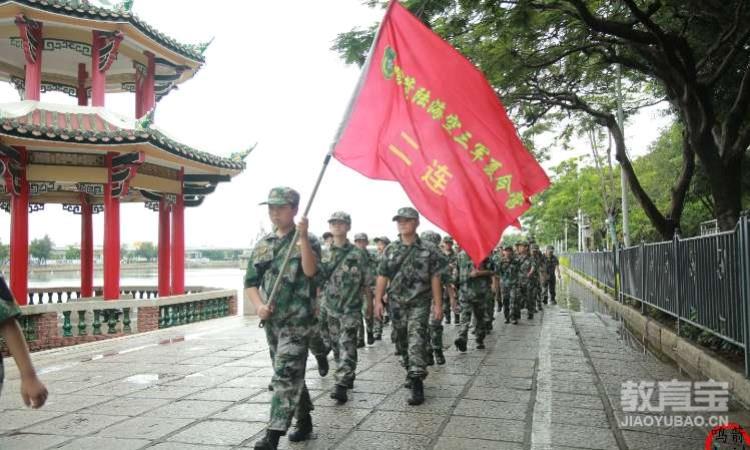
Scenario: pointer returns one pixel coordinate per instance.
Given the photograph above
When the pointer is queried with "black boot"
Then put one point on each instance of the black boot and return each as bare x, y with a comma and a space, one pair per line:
417, 392
370, 338
507, 320
456, 319
439, 357
339, 394
378, 337
303, 430
480, 344
515, 321
430, 358
360, 343
322, 365
460, 344
270, 441
448, 319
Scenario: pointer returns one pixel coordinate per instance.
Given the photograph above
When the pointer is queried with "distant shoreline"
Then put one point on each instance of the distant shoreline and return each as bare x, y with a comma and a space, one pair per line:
129, 267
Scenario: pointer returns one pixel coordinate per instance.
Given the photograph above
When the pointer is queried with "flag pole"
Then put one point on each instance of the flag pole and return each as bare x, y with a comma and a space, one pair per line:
365, 68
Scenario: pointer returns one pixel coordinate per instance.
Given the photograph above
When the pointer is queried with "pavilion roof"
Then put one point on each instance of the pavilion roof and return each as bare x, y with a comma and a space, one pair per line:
86, 10
92, 125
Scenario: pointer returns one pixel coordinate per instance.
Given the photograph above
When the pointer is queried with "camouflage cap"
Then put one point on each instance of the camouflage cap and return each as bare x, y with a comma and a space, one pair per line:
406, 213
361, 237
534, 247
382, 239
340, 216
430, 236
282, 195
524, 243
508, 247
447, 239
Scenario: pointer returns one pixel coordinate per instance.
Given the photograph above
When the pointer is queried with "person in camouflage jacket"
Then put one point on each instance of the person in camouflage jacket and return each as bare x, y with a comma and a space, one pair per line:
344, 281
526, 272
474, 293
507, 270
289, 320
410, 270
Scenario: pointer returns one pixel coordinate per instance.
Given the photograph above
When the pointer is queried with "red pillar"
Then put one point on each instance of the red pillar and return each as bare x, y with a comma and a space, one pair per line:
98, 77
33, 54
164, 250
178, 243
87, 249
111, 238
83, 99
19, 238
149, 88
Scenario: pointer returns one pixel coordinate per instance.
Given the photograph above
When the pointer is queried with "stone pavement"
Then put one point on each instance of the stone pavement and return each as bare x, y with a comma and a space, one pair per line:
550, 383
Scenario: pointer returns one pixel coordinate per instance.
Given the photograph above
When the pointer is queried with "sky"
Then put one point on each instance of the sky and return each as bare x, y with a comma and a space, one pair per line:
270, 78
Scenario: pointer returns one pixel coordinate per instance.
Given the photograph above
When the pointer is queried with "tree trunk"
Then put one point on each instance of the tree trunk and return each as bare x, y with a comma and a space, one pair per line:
726, 189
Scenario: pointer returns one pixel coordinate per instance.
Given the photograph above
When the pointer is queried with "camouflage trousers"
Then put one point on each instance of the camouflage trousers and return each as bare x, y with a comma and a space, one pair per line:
489, 312
476, 307
525, 295
393, 310
410, 323
536, 293
320, 339
288, 348
377, 327
343, 331
511, 304
549, 285
436, 334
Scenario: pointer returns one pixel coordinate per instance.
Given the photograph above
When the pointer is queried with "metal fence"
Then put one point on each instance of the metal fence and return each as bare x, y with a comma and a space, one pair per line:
703, 281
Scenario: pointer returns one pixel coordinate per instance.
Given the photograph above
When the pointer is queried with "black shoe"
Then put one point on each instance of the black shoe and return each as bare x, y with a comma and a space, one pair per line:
378, 337
322, 365
447, 319
456, 319
430, 358
303, 430
397, 352
350, 384
439, 357
530, 316
370, 339
270, 387
360, 343
507, 320
480, 345
417, 392
460, 344
339, 394
515, 321
554, 302
270, 441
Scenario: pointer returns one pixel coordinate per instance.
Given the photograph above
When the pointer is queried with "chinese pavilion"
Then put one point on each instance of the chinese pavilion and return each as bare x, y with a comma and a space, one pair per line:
84, 157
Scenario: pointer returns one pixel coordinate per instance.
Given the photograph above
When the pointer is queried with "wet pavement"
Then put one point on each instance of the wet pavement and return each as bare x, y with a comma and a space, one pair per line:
553, 382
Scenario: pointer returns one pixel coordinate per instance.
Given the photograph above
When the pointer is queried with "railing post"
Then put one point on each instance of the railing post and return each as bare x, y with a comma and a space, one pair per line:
643, 278
676, 276
743, 242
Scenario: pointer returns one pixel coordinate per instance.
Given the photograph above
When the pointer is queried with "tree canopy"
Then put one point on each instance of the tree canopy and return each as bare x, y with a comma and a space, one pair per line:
554, 61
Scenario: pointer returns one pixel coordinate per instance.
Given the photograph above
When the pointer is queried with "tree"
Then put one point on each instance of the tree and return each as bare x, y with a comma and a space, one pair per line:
72, 252
146, 250
552, 59
40, 249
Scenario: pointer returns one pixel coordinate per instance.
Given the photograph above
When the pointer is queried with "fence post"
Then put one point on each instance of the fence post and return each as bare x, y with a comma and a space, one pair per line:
676, 276
615, 274
743, 242
643, 278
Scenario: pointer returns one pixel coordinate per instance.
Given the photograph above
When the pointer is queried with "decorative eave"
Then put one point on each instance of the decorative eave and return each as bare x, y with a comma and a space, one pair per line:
97, 126
91, 12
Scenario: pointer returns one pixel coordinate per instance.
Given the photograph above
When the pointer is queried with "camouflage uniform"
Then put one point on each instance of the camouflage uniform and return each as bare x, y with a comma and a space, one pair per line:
536, 281
344, 276
8, 311
472, 293
410, 269
507, 271
526, 265
549, 267
435, 345
377, 326
449, 280
289, 329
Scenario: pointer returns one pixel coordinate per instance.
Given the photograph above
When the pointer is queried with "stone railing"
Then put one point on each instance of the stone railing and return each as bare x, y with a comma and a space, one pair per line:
42, 296
76, 321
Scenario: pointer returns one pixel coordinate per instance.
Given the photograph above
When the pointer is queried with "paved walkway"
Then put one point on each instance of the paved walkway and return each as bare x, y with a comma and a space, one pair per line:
550, 383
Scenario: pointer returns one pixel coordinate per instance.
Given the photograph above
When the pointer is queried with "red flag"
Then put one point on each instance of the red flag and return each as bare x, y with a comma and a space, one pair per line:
425, 116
